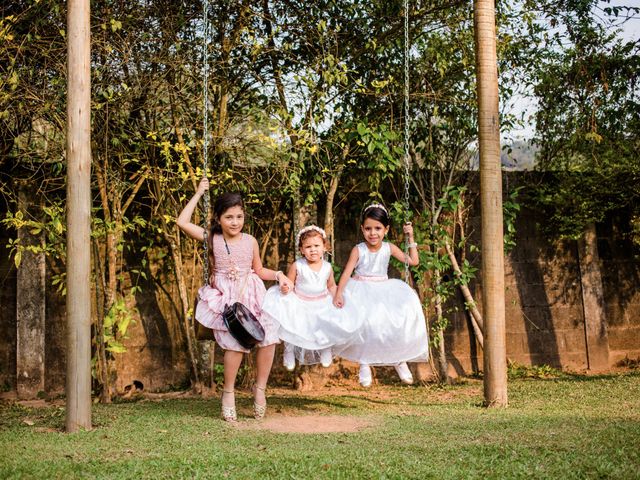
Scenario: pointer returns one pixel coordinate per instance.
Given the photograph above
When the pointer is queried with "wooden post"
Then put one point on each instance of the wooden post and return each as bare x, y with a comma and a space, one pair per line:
78, 386
495, 354
595, 317
30, 312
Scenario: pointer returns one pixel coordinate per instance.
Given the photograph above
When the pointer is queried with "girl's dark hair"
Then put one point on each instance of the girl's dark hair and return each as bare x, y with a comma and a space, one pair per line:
223, 203
375, 213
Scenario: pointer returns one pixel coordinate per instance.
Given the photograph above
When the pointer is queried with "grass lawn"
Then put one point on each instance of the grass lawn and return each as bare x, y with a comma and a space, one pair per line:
565, 427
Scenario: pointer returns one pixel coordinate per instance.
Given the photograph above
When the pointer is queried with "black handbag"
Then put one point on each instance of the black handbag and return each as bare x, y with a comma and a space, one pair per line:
243, 325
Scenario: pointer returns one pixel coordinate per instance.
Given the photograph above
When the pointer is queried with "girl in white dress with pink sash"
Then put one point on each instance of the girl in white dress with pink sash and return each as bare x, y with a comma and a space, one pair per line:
309, 323
394, 331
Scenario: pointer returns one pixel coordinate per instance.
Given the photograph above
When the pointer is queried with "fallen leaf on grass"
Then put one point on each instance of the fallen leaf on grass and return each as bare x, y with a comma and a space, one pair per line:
28, 422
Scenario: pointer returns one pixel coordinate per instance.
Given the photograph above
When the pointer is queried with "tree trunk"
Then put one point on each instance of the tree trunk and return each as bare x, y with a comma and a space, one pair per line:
109, 279
184, 301
442, 364
78, 382
495, 364
100, 289
476, 316
328, 214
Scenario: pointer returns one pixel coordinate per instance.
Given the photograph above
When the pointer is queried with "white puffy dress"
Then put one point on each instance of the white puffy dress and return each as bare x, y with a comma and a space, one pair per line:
394, 328
307, 318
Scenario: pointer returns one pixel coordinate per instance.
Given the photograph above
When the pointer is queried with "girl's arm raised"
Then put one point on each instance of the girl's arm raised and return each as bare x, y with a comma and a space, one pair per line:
397, 253
184, 219
338, 301
266, 273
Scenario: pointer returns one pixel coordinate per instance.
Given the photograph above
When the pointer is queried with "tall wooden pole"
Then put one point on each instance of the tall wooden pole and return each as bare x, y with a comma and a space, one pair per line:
495, 354
78, 387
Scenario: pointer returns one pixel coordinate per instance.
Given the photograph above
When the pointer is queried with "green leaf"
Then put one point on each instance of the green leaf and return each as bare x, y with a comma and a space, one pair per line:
371, 147
116, 347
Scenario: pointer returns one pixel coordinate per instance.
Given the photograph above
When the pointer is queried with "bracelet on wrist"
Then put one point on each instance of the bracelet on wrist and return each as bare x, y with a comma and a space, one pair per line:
278, 273
412, 245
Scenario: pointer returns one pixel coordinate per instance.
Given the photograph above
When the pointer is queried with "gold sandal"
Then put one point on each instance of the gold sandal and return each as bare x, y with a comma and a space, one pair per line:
228, 413
259, 411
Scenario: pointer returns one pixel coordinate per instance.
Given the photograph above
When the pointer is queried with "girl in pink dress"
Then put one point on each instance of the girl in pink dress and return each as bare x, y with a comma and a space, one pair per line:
236, 274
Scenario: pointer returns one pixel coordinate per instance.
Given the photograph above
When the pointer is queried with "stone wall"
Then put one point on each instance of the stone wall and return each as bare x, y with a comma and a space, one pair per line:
544, 306
621, 280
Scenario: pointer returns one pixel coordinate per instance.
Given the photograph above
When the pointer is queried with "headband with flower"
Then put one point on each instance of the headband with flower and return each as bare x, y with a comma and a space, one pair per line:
308, 229
375, 205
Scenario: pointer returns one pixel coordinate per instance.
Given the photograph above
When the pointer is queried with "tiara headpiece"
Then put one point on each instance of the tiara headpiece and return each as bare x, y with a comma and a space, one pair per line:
375, 205
308, 229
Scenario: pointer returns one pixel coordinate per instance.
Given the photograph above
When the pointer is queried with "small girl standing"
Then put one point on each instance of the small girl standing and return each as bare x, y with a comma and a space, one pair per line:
394, 330
309, 322
236, 274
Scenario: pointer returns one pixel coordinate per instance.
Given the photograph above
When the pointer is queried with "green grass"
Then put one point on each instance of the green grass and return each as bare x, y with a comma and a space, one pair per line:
565, 427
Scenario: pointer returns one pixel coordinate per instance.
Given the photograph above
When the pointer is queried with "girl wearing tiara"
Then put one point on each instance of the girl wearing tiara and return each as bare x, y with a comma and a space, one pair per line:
309, 322
394, 330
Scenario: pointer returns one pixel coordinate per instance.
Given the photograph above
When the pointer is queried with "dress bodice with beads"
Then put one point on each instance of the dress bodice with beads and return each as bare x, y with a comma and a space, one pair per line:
373, 264
239, 257
309, 282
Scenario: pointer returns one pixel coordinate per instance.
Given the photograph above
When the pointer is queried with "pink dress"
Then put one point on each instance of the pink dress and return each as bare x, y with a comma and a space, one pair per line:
233, 281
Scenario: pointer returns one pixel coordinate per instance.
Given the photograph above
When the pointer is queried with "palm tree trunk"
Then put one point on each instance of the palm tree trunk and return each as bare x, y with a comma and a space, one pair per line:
78, 382
495, 364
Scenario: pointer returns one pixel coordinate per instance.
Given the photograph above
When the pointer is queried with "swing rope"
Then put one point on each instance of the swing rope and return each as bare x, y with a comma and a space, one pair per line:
407, 119
205, 135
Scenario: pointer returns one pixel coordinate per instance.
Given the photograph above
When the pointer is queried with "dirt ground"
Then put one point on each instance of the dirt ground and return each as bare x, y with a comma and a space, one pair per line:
280, 423
284, 414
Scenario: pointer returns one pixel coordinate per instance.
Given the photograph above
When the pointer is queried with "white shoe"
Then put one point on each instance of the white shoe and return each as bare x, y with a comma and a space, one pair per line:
365, 375
404, 373
326, 358
289, 359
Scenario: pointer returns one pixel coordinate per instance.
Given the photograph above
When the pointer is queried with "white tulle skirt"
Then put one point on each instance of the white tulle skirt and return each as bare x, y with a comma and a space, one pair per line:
311, 325
394, 328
